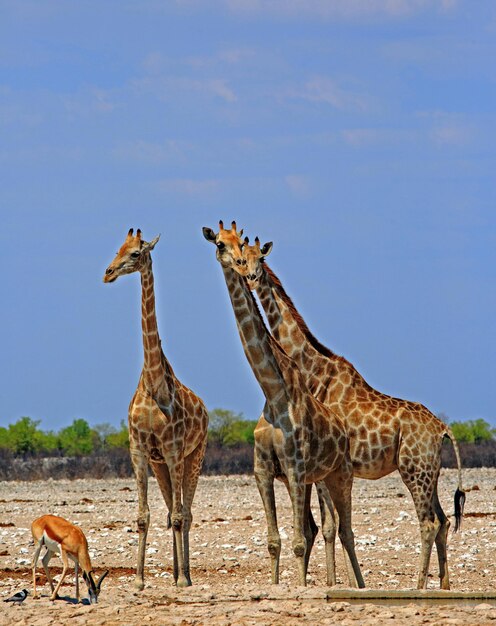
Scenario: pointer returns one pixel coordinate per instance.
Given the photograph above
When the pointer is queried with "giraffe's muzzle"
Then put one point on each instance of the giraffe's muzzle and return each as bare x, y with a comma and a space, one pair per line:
109, 275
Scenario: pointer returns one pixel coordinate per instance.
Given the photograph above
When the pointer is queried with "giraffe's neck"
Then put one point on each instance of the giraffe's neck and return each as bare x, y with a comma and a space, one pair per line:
319, 365
157, 374
258, 345
285, 322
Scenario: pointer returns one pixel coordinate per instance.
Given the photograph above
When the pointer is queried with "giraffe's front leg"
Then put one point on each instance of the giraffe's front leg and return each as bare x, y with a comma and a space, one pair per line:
177, 519
264, 478
297, 491
140, 466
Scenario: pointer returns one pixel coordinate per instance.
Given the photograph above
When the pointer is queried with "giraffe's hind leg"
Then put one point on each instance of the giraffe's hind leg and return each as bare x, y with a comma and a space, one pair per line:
328, 517
310, 529
441, 543
161, 472
422, 484
176, 471
193, 464
339, 484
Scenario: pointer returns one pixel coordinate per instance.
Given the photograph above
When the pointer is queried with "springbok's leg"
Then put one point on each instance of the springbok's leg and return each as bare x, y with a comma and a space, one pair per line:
76, 574
35, 562
65, 564
45, 560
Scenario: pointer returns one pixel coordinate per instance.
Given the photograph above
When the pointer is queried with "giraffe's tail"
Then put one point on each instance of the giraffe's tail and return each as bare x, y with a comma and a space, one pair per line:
459, 504
459, 493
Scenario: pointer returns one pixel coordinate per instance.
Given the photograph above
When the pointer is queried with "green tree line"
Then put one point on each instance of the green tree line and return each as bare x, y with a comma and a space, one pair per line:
227, 429
473, 431
25, 437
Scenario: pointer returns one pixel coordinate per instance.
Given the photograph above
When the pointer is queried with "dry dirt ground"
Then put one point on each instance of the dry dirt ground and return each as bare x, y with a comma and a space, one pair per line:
230, 564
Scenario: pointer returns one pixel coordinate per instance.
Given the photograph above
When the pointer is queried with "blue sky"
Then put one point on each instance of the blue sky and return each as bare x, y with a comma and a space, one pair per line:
358, 136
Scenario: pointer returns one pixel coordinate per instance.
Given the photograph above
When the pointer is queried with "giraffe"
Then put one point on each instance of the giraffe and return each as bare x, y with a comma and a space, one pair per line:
310, 442
386, 434
167, 421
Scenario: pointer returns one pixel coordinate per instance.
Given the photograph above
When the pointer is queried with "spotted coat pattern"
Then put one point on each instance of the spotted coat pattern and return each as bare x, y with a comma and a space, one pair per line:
385, 433
310, 441
167, 421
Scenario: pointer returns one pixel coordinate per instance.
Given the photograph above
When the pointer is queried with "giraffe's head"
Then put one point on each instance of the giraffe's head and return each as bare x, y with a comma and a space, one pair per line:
130, 257
229, 246
254, 257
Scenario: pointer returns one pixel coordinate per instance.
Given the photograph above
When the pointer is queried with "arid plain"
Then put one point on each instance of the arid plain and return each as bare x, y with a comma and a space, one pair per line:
229, 559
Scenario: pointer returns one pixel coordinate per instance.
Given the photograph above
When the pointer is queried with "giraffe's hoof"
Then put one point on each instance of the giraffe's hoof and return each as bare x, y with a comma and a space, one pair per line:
182, 581
299, 550
139, 584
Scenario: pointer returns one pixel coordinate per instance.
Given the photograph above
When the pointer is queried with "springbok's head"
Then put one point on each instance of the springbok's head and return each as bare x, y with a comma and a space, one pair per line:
254, 257
94, 586
131, 256
229, 246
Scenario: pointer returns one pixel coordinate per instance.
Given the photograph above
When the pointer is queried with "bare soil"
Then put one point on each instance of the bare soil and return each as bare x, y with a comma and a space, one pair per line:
229, 559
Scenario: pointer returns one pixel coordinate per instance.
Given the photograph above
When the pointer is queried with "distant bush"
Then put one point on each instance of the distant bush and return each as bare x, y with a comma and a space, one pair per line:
78, 439
118, 438
481, 454
24, 437
114, 463
233, 459
229, 429
102, 451
473, 431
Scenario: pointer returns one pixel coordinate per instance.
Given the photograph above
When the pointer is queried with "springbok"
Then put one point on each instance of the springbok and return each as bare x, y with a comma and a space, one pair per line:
61, 537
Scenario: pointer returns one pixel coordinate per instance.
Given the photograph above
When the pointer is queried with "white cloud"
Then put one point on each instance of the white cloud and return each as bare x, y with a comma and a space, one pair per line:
448, 128
360, 136
299, 185
91, 99
329, 9
220, 88
325, 90
165, 87
452, 135
148, 152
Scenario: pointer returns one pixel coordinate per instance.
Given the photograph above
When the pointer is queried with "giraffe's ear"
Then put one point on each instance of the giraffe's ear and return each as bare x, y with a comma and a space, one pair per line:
209, 234
149, 245
266, 249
